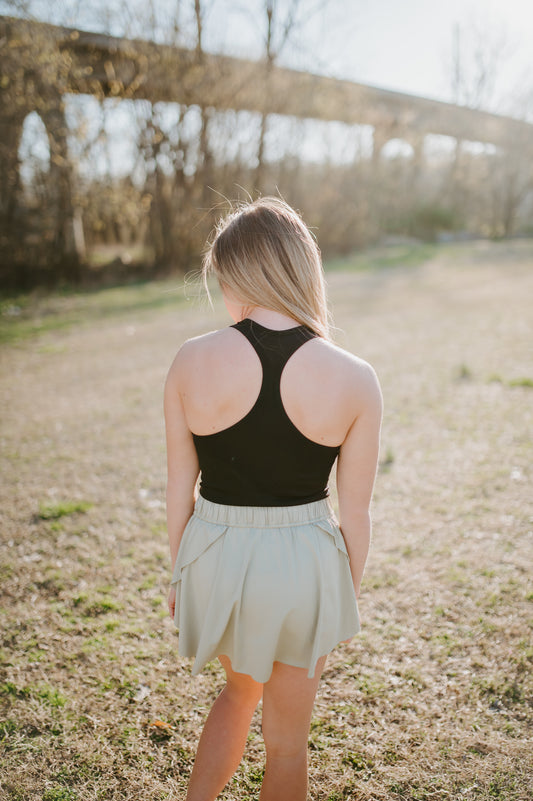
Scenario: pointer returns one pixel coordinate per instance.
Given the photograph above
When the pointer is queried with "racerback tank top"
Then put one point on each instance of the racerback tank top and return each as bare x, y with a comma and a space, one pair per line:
263, 459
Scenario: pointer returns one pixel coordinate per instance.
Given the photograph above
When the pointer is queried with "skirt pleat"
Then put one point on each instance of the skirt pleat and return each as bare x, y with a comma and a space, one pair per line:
263, 584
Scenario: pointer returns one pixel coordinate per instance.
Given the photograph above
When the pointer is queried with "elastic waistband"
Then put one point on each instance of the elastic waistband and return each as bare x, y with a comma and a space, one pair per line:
262, 516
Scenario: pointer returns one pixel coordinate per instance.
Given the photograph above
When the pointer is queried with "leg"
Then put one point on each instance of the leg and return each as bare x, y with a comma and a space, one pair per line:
288, 699
224, 735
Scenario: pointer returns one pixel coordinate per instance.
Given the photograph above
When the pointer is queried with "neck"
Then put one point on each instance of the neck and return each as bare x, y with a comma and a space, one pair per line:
271, 319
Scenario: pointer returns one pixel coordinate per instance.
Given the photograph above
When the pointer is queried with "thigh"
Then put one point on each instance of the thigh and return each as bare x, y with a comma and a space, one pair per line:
288, 699
241, 684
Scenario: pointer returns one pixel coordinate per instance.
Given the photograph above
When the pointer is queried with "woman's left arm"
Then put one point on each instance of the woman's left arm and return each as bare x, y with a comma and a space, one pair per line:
182, 461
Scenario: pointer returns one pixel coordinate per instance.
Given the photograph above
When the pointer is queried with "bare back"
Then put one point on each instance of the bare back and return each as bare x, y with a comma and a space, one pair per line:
323, 388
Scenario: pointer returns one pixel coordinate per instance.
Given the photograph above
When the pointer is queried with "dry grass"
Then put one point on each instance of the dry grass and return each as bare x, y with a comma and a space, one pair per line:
432, 701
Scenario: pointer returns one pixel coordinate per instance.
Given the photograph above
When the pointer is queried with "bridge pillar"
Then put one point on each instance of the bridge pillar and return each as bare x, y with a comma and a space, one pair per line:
10, 187
56, 250
61, 231
416, 141
384, 133
34, 78
381, 135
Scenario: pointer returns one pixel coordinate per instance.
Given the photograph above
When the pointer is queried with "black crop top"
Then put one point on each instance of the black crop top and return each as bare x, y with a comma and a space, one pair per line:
263, 459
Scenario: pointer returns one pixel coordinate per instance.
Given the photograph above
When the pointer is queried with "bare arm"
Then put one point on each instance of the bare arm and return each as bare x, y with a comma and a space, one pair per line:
182, 461
356, 472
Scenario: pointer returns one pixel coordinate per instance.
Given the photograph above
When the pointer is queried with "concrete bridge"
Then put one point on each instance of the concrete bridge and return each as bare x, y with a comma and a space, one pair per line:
107, 66
40, 63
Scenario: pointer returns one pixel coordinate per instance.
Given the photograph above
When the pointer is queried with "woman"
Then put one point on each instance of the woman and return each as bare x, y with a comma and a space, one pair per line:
263, 577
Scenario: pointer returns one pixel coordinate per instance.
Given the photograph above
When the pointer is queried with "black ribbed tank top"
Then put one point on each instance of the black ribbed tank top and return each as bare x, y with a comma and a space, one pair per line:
263, 459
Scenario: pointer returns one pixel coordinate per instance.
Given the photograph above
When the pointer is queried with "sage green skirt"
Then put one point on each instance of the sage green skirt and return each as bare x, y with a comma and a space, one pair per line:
263, 585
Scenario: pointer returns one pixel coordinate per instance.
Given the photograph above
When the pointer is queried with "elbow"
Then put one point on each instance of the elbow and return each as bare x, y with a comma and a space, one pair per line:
181, 486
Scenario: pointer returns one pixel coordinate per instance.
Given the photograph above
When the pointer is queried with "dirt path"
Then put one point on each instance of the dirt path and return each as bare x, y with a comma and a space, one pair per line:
432, 701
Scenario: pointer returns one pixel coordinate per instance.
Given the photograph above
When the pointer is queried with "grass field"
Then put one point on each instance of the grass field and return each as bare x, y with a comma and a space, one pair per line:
432, 701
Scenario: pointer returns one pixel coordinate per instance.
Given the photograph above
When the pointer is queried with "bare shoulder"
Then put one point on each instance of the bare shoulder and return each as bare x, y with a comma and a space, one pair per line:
347, 371
203, 353
198, 348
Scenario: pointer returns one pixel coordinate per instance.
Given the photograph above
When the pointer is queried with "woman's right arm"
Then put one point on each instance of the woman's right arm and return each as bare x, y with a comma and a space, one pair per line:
182, 461
356, 471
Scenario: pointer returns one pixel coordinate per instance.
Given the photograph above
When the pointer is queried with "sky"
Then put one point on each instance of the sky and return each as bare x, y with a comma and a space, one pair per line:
407, 45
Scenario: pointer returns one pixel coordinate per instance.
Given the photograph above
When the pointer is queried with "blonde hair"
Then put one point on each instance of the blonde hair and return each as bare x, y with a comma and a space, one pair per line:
266, 256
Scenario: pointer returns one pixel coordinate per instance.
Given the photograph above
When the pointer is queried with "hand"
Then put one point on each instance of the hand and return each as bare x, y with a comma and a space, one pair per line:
172, 602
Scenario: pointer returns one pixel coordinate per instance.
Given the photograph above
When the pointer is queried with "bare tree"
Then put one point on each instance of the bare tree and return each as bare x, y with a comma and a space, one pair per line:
476, 56
281, 23
277, 31
490, 185
177, 155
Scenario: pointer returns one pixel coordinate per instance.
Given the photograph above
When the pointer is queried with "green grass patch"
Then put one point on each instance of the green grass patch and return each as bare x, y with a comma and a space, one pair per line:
51, 696
6, 571
96, 605
463, 372
499, 687
390, 756
43, 692
7, 727
449, 643
32, 314
92, 644
377, 582
408, 255
59, 793
386, 462
358, 762
9, 688
521, 382
503, 786
149, 582
54, 511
